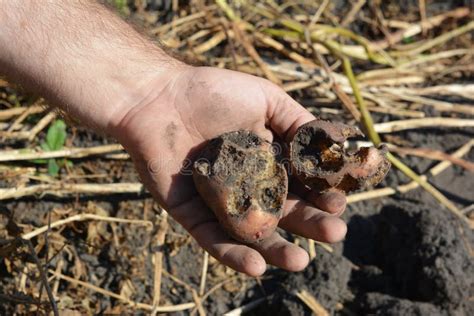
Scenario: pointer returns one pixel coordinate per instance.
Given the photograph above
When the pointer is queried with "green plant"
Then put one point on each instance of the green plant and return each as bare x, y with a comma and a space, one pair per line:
55, 140
408, 40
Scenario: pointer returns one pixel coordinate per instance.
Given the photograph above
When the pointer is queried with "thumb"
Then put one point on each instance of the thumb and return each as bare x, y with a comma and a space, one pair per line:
285, 115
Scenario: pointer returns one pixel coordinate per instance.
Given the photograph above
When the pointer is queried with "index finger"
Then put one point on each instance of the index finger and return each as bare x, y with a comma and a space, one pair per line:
285, 115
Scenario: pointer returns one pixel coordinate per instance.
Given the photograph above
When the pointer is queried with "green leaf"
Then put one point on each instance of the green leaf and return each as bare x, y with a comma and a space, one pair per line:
56, 135
53, 168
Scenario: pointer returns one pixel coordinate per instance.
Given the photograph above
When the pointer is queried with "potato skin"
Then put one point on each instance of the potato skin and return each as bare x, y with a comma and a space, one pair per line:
251, 227
239, 178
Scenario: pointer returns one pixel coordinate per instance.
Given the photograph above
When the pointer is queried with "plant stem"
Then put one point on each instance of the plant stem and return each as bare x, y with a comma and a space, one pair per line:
366, 117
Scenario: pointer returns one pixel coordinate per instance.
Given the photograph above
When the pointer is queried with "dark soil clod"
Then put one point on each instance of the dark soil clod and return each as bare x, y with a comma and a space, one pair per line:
320, 161
239, 178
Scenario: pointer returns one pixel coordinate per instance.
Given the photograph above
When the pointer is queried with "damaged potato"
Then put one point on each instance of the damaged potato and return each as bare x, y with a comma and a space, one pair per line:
318, 158
239, 178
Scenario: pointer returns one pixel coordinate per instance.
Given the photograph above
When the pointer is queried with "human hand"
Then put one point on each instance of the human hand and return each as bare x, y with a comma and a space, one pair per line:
161, 111
164, 131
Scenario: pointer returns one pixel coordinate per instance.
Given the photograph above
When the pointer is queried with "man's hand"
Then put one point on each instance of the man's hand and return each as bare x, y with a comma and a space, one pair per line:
97, 68
164, 131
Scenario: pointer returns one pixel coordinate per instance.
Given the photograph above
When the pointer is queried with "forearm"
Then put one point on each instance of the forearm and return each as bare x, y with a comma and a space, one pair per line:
79, 55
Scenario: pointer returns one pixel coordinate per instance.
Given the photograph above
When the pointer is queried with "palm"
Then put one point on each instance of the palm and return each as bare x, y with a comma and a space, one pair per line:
202, 103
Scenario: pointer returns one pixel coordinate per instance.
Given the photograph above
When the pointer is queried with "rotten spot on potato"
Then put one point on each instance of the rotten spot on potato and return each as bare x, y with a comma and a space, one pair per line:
318, 158
239, 178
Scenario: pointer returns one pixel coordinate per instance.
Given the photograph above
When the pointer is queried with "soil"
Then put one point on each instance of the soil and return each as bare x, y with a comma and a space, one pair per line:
240, 179
400, 258
403, 255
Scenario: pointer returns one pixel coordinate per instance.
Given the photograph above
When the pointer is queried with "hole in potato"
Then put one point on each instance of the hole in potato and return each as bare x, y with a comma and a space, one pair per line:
320, 161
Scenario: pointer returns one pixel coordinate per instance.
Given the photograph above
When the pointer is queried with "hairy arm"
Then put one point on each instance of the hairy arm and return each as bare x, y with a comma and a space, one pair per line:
98, 69
80, 55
